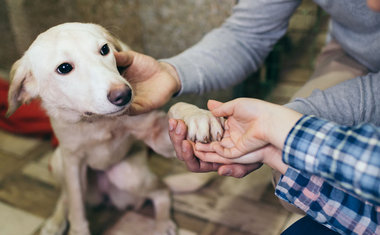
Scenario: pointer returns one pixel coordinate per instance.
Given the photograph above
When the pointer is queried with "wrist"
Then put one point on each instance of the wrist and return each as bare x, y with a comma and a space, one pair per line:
273, 159
173, 76
279, 123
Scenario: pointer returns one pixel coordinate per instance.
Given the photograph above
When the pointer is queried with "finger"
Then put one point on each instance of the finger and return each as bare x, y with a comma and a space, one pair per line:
203, 147
208, 166
212, 157
227, 152
177, 133
210, 147
212, 104
238, 170
172, 124
188, 157
250, 158
140, 104
136, 109
193, 163
124, 58
222, 109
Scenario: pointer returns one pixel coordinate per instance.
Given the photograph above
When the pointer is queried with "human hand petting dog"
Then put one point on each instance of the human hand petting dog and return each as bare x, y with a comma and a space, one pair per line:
255, 130
154, 82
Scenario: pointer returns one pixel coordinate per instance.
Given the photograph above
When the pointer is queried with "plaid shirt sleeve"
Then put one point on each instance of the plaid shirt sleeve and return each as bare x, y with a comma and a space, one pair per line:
348, 157
329, 205
329, 191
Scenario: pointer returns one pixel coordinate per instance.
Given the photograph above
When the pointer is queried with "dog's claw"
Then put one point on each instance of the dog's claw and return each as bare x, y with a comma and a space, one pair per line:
218, 137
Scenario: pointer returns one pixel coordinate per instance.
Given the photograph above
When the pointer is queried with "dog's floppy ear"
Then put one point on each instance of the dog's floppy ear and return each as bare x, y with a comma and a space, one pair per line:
119, 45
20, 75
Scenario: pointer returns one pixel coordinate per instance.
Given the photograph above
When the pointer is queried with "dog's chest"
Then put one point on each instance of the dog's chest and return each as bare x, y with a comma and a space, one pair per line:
103, 153
101, 143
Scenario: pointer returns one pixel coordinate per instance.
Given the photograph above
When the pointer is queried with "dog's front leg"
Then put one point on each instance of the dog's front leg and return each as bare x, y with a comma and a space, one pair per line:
73, 172
57, 223
162, 205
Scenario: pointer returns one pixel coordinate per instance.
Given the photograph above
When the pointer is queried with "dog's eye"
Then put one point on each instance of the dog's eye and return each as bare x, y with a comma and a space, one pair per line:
64, 68
104, 50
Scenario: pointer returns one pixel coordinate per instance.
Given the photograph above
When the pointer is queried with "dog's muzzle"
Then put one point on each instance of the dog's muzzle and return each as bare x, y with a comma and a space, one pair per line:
120, 95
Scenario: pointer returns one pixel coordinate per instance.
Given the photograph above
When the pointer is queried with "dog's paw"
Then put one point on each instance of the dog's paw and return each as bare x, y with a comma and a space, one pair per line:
165, 228
202, 126
52, 228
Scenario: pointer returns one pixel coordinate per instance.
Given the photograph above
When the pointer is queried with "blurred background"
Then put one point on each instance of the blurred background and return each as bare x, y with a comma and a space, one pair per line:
160, 28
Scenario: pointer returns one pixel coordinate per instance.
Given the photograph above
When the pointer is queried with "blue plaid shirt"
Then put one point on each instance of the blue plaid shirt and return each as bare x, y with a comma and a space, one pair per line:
334, 174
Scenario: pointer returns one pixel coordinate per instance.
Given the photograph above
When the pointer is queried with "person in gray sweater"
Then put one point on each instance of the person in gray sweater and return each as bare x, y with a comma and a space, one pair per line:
228, 54
344, 87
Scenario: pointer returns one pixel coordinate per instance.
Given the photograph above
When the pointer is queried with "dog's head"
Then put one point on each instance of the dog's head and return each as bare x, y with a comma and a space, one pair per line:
71, 67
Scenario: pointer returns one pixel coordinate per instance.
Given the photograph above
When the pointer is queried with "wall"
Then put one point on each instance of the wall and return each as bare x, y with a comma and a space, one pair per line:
160, 28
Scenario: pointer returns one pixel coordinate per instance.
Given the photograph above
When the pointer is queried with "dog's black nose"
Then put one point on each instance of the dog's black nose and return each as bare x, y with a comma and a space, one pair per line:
120, 95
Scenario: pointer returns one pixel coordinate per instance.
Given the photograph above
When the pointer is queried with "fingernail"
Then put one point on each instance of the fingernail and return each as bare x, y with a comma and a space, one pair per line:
227, 172
178, 130
171, 126
219, 137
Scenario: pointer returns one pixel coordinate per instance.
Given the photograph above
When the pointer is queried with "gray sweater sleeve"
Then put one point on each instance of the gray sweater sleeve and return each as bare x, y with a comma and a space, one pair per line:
227, 55
349, 103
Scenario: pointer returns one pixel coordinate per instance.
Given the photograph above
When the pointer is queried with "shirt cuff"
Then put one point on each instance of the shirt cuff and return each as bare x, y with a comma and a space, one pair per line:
187, 73
299, 189
304, 141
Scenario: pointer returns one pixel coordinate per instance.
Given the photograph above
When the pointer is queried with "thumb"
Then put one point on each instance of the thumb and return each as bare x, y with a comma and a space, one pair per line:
219, 109
212, 104
124, 58
136, 109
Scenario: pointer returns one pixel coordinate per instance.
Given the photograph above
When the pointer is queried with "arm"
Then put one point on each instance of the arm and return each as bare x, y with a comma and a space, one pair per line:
323, 201
152, 129
345, 156
240, 44
327, 204
349, 103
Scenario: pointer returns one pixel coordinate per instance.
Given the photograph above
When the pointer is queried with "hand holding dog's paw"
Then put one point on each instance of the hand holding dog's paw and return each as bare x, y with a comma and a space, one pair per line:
202, 126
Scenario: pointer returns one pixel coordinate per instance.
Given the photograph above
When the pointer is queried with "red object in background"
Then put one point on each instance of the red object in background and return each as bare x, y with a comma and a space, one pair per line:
29, 119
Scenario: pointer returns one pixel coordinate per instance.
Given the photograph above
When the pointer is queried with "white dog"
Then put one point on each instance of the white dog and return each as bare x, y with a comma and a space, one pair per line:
72, 69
